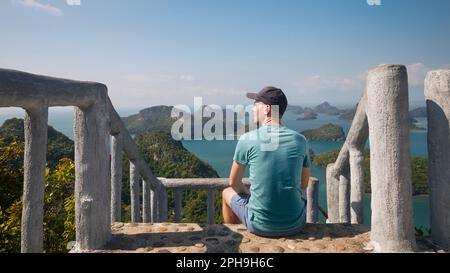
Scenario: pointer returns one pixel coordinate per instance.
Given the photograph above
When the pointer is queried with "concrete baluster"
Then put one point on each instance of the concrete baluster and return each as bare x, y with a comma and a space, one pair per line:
437, 93
312, 210
387, 113
32, 233
116, 177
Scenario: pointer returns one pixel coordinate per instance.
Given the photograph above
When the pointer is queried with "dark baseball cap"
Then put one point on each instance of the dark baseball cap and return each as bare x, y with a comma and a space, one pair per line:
271, 96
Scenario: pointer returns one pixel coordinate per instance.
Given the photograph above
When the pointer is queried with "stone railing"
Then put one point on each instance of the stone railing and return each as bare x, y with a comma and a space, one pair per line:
212, 185
382, 117
95, 120
98, 167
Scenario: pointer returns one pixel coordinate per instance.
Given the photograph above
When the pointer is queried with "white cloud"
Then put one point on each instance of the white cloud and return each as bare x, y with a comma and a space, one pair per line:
417, 73
143, 90
73, 2
45, 7
144, 78
345, 85
40, 6
318, 84
187, 78
157, 78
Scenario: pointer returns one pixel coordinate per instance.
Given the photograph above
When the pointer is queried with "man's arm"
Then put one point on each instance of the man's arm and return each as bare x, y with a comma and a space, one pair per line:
306, 174
237, 172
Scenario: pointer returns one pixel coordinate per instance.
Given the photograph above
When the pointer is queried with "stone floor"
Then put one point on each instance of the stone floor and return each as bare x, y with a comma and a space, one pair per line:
195, 238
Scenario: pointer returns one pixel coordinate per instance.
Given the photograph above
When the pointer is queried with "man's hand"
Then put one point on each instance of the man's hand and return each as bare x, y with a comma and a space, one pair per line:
237, 172
306, 174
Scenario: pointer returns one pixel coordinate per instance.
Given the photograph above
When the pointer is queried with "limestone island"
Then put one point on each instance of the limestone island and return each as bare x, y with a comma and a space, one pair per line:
328, 132
308, 114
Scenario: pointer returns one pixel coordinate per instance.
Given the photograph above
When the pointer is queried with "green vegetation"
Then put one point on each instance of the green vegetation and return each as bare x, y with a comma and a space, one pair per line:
59, 146
166, 157
419, 170
59, 213
327, 132
149, 120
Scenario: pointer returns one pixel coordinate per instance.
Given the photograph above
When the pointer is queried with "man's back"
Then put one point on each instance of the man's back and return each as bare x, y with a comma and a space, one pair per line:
275, 203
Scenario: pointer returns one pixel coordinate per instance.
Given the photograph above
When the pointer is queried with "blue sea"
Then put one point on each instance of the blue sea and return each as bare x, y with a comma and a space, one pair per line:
219, 154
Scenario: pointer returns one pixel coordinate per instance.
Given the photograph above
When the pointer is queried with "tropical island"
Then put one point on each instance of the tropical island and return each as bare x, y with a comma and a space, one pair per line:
420, 112
308, 114
348, 114
327, 109
327, 132
160, 118
414, 115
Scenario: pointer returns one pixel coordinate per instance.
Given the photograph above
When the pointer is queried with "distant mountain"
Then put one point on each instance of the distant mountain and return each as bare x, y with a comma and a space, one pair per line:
298, 110
326, 108
159, 118
418, 113
413, 124
308, 114
414, 114
328, 132
348, 114
152, 119
59, 146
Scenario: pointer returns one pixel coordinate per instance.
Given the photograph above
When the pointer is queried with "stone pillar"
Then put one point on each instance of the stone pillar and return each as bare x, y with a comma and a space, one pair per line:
34, 179
344, 198
162, 204
332, 195
312, 210
134, 193
387, 113
154, 205
116, 177
178, 197
437, 93
357, 186
146, 202
210, 207
92, 174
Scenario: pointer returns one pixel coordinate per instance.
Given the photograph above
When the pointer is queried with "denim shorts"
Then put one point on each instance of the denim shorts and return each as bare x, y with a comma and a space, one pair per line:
239, 205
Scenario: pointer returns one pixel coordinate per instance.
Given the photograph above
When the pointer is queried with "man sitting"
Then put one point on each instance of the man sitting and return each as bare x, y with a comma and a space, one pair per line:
274, 206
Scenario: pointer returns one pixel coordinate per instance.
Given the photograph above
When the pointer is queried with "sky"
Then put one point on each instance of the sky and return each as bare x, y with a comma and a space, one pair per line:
166, 52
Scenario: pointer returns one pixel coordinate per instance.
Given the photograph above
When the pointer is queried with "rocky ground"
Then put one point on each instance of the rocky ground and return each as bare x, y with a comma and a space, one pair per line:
195, 238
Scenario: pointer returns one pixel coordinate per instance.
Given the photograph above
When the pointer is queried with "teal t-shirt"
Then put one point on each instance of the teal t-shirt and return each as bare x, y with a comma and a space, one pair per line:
275, 157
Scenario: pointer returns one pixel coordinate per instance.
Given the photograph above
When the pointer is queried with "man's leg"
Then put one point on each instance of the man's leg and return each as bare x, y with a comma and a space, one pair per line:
228, 215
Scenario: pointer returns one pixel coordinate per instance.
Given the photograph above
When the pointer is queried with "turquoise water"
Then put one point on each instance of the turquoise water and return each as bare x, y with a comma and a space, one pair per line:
219, 154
